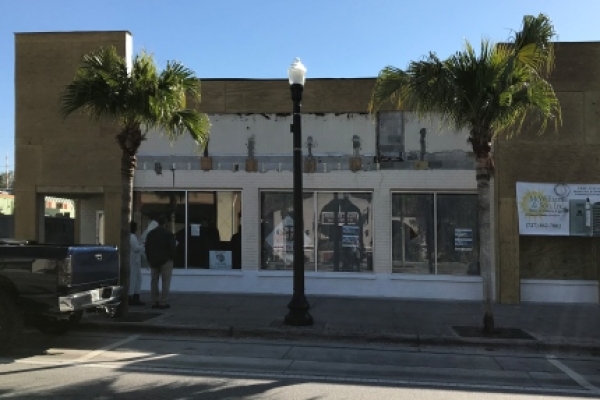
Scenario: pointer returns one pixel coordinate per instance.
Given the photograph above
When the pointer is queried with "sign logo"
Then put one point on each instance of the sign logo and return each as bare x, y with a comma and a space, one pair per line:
534, 203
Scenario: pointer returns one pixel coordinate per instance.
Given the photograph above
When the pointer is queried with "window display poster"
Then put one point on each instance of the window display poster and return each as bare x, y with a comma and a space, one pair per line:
219, 259
558, 209
463, 239
195, 229
350, 236
328, 218
282, 237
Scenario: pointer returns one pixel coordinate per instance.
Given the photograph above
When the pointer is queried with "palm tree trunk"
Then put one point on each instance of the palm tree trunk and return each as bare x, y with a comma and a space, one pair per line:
127, 167
129, 139
485, 239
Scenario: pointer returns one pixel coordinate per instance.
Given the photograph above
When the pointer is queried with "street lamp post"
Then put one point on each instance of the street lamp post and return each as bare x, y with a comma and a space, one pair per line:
298, 306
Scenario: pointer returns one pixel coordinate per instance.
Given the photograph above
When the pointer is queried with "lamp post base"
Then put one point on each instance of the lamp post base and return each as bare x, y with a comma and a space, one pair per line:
298, 315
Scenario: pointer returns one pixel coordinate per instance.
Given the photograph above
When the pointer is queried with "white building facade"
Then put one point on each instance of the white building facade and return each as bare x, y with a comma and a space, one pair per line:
403, 224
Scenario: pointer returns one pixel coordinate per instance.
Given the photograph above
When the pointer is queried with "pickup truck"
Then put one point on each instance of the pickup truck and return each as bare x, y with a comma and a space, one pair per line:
50, 286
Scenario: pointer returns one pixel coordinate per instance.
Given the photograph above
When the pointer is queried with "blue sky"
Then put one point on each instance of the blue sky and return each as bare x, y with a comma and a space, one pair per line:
259, 39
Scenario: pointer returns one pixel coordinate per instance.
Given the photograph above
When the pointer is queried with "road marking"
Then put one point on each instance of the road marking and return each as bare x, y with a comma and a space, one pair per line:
96, 353
572, 374
311, 378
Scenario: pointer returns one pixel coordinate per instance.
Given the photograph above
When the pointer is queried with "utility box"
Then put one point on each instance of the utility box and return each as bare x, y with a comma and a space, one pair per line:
421, 165
206, 163
355, 164
251, 165
310, 165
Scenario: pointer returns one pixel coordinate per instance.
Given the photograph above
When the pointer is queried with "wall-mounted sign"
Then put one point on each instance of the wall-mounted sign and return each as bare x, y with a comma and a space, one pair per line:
558, 209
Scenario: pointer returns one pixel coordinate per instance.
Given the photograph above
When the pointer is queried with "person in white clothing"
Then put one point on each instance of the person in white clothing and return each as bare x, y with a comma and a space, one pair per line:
136, 250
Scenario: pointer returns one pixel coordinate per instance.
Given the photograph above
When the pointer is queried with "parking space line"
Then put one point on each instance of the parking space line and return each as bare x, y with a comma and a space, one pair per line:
101, 350
581, 381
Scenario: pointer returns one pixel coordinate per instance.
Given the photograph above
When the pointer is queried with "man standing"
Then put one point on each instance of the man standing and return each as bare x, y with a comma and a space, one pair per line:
135, 265
160, 252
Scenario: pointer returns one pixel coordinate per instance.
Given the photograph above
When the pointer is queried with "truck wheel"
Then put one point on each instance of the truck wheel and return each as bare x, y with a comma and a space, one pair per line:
52, 326
75, 318
11, 322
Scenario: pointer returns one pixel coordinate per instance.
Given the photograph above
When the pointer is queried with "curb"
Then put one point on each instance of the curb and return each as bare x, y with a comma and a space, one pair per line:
415, 340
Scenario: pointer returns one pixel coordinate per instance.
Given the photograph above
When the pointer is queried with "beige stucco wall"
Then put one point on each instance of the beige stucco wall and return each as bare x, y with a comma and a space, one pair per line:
57, 156
570, 155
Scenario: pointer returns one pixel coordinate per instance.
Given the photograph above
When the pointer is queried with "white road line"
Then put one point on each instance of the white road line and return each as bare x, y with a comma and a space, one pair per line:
572, 374
96, 353
314, 378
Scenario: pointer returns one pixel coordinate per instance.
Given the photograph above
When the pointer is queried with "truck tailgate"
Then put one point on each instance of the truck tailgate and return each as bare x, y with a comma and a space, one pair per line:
94, 265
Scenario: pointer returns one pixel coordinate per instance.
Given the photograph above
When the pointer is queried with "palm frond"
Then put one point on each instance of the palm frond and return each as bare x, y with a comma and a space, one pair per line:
99, 86
491, 91
532, 102
535, 41
177, 75
180, 122
139, 97
388, 88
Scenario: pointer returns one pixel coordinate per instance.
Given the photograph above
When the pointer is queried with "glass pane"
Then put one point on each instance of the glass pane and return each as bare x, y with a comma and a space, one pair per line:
277, 232
345, 232
147, 206
457, 241
213, 233
412, 234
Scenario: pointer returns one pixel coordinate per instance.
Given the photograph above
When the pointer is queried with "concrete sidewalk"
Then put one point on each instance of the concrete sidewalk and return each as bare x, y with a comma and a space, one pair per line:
416, 322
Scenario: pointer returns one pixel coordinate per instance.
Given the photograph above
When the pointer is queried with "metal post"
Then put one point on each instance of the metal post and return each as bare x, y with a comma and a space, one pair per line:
298, 306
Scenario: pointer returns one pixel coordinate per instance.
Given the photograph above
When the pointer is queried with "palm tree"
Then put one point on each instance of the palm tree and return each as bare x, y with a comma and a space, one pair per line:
496, 92
138, 98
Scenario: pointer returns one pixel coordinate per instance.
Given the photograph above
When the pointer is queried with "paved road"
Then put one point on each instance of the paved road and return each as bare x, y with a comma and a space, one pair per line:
105, 366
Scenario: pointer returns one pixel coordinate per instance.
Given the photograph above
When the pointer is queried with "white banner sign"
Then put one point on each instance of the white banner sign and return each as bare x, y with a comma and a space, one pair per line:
558, 209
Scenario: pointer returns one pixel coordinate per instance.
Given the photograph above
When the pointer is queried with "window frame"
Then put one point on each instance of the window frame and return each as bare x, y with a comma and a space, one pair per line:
315, 193
186, 191
435, 194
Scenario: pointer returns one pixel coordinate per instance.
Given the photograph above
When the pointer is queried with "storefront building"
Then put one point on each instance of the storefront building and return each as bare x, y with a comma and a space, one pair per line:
389, 201
371, 228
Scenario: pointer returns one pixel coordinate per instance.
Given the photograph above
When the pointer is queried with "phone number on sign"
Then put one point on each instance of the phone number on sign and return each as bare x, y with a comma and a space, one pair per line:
542, 225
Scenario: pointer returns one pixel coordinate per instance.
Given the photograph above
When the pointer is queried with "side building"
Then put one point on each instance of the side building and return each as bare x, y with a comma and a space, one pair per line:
547, 259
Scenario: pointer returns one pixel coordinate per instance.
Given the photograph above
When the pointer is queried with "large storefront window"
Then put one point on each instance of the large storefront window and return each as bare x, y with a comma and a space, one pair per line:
345, 232
206, 225
412, 233
457, 241
277, 231
337, 231
434, 234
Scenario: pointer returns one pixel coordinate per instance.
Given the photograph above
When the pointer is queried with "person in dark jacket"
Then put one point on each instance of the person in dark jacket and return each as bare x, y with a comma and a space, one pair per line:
161, 250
